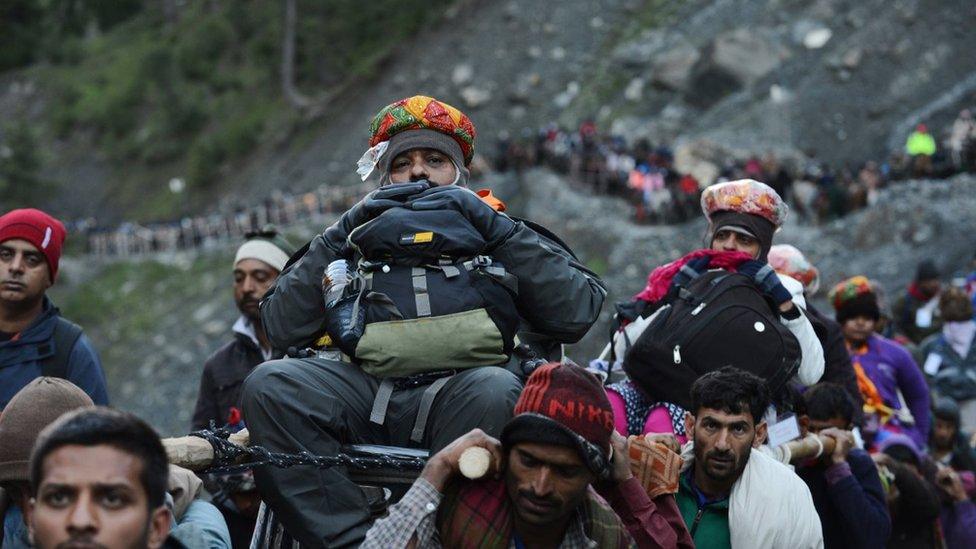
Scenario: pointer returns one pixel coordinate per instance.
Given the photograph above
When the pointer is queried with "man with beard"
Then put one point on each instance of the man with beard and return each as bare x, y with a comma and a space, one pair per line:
729, 495
423, 361
34, 339
257, 264
538, 491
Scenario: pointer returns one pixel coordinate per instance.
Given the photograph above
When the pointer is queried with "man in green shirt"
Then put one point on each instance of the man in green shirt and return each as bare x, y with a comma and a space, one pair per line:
727, 407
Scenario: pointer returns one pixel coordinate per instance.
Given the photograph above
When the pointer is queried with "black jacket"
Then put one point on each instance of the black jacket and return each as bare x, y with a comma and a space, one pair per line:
837, 361
853, 510
223, 374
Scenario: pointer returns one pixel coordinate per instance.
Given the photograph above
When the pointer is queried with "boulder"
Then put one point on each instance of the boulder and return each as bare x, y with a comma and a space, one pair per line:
462, 74
701, 159
810, 34
641, 51
733, 60
672, 69
745, 54
474, 96
634, 90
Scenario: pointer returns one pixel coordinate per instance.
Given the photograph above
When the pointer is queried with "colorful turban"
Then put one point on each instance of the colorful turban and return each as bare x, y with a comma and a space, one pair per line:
423, 113
786, 259
854, 297
744, 196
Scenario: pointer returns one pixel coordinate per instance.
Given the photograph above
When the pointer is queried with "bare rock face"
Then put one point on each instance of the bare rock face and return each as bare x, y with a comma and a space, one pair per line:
733, 60
699, 158
462, 74
642, 50
474, 96
672, 69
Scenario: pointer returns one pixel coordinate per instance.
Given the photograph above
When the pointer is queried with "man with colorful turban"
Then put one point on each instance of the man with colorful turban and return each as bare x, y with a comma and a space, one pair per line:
421, 148
896, 397
743, 216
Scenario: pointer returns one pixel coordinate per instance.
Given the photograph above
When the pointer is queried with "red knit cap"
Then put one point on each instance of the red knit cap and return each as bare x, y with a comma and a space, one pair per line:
40, 229
566, 401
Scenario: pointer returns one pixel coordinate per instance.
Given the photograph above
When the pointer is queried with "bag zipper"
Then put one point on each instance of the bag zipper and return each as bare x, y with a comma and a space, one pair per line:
677, 354
703, 320
694, 525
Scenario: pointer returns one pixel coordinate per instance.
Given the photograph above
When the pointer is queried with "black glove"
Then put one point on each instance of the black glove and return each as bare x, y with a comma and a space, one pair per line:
766, 280
494, 227
691, 270
372, 205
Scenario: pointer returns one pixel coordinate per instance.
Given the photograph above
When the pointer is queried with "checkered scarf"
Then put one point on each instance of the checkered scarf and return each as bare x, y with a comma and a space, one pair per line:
479, 515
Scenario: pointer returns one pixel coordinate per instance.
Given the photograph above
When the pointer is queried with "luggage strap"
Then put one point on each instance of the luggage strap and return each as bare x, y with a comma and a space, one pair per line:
426, 403
436, 381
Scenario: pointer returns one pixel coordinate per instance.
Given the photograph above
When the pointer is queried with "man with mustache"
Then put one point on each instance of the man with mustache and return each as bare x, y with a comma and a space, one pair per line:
257, 264
34, 339
539, 490
729, 495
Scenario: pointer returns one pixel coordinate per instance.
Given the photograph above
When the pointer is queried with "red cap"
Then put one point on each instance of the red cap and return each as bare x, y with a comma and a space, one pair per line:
572, 399
40, 229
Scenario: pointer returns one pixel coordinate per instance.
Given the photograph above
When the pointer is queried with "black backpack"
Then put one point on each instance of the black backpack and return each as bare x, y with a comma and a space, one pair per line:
709, 321
425, 297
66, 334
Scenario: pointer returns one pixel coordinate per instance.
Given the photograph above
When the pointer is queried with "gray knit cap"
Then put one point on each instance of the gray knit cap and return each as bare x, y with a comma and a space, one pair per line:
423, 139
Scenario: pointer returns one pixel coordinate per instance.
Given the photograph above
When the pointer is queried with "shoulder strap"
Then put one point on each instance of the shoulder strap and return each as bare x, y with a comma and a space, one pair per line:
547, 234
66, 334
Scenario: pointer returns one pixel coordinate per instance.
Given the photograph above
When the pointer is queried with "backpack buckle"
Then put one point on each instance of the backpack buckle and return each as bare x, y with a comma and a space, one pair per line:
480, 261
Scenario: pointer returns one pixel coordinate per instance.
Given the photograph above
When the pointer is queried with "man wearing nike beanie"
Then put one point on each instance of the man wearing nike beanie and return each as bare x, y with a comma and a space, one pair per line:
34, 339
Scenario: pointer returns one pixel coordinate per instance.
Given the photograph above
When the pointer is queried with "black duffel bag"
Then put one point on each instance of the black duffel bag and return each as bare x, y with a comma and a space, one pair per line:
711, 320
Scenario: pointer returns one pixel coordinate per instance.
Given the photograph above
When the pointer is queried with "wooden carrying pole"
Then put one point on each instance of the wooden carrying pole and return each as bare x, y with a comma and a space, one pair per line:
195, 453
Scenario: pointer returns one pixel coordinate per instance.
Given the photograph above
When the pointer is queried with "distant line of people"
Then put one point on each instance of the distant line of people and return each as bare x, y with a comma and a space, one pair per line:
645, 174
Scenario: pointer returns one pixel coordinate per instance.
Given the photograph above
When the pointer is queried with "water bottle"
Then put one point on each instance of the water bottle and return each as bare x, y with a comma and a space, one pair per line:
338, 274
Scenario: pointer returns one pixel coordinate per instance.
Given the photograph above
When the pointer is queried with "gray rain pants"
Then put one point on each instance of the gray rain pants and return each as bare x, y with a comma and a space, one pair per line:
291, 405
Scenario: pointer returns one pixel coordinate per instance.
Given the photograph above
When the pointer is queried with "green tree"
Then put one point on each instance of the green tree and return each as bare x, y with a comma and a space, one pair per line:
20, 163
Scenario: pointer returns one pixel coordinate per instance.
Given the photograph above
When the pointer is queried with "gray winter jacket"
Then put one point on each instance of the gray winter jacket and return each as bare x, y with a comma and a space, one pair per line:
956, 375
558, 297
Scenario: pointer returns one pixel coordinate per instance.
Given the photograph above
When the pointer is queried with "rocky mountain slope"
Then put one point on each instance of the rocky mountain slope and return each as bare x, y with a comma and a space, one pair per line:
840, 80
156, 320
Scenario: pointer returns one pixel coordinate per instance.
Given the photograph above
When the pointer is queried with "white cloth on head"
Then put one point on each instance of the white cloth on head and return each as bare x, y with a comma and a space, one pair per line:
959, 336
262, 250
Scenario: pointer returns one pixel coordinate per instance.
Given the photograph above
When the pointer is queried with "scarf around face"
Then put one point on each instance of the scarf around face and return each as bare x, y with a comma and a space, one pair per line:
660, 278
959, 336
478, 514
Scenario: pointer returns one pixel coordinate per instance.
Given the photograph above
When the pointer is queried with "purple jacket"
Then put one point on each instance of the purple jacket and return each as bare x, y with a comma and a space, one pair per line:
959, 524
892, 368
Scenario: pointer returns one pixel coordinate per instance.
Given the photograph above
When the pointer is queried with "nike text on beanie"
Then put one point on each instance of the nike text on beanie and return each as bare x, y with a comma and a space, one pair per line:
565, 405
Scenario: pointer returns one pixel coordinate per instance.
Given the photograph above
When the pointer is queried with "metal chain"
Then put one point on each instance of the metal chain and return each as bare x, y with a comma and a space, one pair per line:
227, 457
